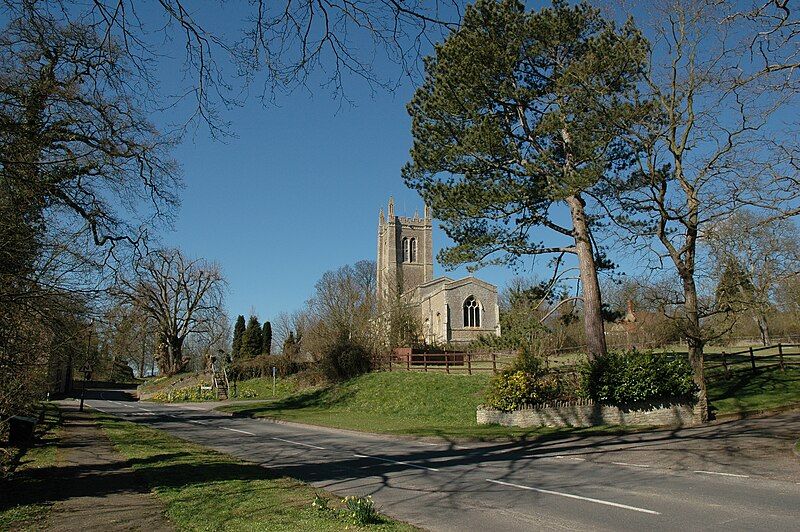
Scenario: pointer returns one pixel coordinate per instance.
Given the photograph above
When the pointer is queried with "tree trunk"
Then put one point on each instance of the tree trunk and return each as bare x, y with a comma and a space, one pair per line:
592, 305
143, 360
175, 351
695, 342
763, 328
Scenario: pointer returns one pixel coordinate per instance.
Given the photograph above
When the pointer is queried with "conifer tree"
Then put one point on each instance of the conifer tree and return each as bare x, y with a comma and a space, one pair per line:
251, 341
518, 120
238, 333
266, 338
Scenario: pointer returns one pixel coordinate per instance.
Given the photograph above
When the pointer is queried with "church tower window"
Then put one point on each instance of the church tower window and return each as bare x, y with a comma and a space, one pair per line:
413, 249
472, 313
405, 250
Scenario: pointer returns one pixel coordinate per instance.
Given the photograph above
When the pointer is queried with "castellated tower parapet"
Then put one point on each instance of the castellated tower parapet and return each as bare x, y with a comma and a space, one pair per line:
405, 253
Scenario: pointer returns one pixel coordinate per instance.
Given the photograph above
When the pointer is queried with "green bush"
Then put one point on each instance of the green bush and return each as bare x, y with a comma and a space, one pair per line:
345, 360
513, 389
527, 382
627, 377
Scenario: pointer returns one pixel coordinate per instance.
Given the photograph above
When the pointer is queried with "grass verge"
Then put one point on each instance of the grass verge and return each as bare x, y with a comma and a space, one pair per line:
206, 490
412, 403
22, 478
744, 391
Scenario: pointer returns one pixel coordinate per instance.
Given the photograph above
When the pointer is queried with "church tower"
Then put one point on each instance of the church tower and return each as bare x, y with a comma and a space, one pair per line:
405, 253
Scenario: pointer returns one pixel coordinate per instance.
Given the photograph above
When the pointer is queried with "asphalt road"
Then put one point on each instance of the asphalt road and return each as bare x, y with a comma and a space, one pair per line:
505, 486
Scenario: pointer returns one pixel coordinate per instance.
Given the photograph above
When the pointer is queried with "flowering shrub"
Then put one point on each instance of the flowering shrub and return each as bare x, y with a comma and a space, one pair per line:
515, 388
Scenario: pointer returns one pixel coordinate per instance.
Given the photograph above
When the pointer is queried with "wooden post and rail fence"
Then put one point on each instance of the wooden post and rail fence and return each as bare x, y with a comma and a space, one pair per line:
750, 359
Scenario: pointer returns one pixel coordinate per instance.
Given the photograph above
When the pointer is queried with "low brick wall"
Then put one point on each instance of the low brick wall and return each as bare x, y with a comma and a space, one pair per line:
588, 413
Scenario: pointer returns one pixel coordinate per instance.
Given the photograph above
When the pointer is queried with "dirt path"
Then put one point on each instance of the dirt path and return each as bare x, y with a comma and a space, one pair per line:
93, 486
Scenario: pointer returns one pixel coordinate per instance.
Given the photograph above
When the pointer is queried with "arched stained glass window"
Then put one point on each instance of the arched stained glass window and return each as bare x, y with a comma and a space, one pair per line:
413, 254
405, 250
472, 313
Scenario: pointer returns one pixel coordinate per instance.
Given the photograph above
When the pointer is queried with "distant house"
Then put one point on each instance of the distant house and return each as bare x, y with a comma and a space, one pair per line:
637, 329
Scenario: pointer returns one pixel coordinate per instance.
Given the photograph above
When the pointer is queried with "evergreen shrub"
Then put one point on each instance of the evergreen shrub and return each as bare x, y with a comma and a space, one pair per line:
633, 376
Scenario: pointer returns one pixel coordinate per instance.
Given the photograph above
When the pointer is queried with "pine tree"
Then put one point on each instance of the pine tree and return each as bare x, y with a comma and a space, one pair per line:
266, 338
251, 341
518, 119
238, 333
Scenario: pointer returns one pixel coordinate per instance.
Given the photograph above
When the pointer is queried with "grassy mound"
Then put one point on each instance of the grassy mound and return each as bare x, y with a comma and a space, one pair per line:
388, 402
420, 404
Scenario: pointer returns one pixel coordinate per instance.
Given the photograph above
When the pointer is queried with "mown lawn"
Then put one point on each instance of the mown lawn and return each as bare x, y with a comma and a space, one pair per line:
744, 391
206, 490
413, 403
23, 480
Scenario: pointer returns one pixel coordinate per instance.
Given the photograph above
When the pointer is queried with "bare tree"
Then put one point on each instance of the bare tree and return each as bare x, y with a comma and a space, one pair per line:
76, 147
182, 296
762, 254
278, 45
711, 147
774, 34
343, 307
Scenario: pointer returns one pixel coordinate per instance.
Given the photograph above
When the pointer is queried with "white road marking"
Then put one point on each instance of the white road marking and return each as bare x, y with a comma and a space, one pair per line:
103, 411
237, 430
631, 465
300, 443
570, 458
396, 462
578, 497
722, 474
127, 405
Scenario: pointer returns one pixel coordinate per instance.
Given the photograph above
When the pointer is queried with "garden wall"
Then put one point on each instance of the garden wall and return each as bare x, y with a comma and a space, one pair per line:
589, 413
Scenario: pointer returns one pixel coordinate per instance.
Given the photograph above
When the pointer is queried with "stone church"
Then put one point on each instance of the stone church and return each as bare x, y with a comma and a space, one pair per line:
449, 311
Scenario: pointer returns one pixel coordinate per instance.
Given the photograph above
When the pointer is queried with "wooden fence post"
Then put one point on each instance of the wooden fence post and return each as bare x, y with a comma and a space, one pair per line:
494, 362
752, 359
780, 355
469, 363
408, 361
425, 361
390, 361
724, 363
447, 363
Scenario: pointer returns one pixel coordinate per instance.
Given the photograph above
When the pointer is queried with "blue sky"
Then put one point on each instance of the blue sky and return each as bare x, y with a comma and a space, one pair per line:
297, 191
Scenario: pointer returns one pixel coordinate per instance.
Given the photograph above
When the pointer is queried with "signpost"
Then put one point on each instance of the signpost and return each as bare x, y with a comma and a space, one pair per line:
274, 373
87, 374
